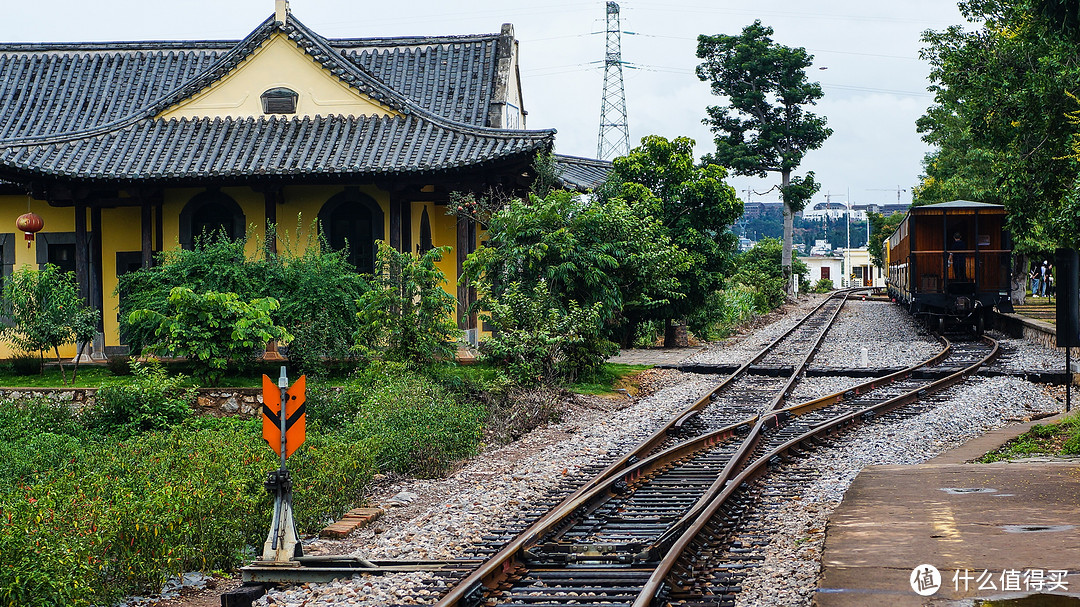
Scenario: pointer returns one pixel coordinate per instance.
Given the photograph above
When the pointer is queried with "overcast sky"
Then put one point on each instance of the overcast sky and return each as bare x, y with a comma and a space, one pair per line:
875, 84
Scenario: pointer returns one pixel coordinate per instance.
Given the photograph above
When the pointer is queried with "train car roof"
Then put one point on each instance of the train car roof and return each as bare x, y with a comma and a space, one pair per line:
958, 204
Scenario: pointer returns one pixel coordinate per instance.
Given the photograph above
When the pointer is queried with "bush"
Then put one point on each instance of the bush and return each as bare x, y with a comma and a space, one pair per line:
119, 365
213, 329
93, 522
823, 286
407, 316
539, 343
415, 425
151, 400
26, 365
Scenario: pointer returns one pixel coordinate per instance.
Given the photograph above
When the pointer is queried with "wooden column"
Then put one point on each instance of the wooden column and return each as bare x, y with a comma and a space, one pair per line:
272, 196
147, 225
406, 226
462, 250
96, 267
159, 226
82, 252
395, 221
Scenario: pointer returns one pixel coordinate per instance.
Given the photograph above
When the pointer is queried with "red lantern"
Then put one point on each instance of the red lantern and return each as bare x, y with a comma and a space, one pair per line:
31, 223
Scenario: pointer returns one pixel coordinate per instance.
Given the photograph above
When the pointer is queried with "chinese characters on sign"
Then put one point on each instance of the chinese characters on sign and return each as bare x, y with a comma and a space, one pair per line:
1040, 580
926, 580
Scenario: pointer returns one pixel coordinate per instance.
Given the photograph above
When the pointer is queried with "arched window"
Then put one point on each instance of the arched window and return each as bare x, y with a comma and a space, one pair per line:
354, 220
210, 214
425, 244
279, 100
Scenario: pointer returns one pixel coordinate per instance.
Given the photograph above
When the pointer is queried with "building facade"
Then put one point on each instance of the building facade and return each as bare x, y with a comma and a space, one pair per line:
127, 149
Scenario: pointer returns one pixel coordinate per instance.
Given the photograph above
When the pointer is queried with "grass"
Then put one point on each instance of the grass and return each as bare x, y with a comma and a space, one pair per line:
1062, 438
610, 377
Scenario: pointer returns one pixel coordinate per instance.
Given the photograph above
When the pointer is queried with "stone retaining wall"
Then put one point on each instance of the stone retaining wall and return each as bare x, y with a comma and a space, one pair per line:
243, 402
1040, 332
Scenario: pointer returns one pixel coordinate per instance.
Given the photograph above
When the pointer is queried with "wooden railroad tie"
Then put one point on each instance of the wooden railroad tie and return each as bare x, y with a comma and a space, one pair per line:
353, 519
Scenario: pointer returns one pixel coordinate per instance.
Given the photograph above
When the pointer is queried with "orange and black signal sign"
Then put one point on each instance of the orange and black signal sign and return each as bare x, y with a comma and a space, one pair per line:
295, 421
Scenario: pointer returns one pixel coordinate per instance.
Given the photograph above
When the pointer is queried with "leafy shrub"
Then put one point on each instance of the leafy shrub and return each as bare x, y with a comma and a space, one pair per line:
91, 523
26, 365
537, 342
823, 286
407, 316
759, 271
213, 329
317, 290
151, 400
415, 425
30, 416
119, 365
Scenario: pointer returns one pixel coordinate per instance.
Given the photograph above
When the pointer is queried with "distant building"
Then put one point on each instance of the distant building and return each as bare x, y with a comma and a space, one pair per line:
745, 244
823, 268
821, 248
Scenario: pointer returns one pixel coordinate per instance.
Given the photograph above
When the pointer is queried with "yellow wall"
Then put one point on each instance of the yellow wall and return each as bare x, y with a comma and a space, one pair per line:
121, 231
277, 63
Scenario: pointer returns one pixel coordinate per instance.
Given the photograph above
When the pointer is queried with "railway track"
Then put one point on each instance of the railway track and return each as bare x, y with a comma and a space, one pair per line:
664, 526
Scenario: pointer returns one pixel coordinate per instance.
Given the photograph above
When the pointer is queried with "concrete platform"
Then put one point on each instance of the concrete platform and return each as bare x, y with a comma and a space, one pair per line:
957, 517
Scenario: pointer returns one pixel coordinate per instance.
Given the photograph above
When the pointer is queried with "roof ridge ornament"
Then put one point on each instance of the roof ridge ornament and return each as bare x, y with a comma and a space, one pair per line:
281, 11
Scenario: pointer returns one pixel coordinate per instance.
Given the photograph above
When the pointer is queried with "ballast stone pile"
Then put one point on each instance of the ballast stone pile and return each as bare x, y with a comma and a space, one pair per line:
788, 576
889, 335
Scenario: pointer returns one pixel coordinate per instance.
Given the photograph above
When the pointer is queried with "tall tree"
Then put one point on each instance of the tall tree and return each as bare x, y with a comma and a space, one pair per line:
1000, 122
766, 128
696, 208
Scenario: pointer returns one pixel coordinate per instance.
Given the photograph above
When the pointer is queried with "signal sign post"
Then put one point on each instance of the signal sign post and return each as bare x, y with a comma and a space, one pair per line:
284, 428
1068, 311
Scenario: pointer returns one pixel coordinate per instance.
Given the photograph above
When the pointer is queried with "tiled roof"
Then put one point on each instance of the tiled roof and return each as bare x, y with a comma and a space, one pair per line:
187, 150
451, 78
50, 88
581, 174
127, 142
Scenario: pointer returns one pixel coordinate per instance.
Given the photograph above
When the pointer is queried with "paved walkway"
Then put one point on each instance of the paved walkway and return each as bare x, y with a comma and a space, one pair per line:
963, 519
654, 356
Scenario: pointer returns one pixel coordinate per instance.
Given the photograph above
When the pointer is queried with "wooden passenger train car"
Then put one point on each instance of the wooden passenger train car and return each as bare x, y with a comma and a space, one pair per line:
950, 263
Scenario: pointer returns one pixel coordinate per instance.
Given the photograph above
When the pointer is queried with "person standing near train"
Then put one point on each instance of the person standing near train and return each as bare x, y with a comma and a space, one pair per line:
956, 258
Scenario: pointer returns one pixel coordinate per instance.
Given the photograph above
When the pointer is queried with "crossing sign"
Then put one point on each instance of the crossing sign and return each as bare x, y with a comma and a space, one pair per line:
295, 419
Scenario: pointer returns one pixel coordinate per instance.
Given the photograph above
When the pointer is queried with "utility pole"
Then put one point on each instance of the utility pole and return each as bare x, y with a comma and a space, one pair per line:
614, 137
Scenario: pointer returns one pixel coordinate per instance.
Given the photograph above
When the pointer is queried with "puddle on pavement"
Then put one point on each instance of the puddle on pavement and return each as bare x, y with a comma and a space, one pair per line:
1036, 528
1035, 600
967, 490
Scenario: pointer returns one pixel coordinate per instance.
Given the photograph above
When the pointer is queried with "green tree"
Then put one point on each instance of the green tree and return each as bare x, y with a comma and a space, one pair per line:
407, 316
1000, 121
766, 127
46, 312
696, 208
881, 227
213, 330
605, 252
317, 288
760, 273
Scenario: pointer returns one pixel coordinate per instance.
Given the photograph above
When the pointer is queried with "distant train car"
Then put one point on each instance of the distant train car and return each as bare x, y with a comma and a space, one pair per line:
950, 263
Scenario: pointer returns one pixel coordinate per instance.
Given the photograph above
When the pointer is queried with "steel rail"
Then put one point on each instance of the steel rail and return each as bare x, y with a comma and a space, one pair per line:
500, 564
758, 467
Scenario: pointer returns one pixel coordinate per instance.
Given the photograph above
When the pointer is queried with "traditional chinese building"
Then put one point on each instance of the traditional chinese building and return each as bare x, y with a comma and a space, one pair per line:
125, 149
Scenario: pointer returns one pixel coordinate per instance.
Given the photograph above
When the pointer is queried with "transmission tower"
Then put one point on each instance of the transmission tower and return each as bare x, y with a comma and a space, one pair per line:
614, 133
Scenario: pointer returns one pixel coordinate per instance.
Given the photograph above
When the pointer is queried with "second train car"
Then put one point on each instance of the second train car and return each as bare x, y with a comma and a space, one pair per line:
950, 264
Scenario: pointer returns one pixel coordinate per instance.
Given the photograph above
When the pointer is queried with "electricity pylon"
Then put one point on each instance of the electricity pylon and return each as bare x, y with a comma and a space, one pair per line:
614, 137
